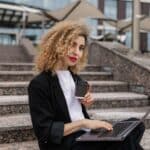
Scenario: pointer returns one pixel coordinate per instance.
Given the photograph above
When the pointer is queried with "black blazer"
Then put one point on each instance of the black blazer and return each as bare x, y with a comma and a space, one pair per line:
49, 111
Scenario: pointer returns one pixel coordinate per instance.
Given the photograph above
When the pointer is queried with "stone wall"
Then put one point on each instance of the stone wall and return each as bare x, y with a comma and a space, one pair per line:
124, 68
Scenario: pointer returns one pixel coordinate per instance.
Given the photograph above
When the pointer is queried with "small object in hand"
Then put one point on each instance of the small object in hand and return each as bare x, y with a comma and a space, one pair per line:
82, 88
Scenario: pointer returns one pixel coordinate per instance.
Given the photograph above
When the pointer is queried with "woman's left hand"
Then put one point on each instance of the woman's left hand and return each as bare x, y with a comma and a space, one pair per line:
88, 100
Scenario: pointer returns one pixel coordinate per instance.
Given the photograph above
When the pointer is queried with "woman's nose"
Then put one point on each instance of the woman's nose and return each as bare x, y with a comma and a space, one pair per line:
77, 50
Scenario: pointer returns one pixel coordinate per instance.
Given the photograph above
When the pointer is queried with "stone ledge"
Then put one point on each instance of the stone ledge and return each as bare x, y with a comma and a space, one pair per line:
14, 84
16, 64
118, 114
6, 100
20, 88
105, 83
33, 145
19, 104
95, 73
17, 72
122, 110
118, 99
108, 86
124, 68
33, 73
30, 145
31, 67
28, 75
99, 83
19, 123
118, 96
13, 100
15, 122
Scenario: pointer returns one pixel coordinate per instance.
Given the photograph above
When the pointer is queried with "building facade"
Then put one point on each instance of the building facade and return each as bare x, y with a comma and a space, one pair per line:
7, 35
115, 9
121, 9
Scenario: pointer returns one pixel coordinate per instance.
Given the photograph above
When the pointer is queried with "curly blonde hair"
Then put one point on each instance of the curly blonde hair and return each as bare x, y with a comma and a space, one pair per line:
56, 42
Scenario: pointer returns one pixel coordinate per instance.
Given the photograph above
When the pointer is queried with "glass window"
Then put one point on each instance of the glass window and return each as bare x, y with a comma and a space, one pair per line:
1, 39
110, 9
128, 15
47, 4
91, 22
128, 9
128, 39
51, 5
7, 39
148, 42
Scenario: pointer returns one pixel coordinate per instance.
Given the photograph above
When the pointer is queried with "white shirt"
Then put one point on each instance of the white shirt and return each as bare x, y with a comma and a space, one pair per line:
68, 87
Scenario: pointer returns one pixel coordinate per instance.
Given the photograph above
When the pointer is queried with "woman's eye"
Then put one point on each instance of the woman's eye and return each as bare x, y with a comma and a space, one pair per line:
74, 44
82, 48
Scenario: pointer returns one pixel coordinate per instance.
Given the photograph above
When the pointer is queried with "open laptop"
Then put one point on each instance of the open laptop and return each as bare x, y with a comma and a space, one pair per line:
120, 131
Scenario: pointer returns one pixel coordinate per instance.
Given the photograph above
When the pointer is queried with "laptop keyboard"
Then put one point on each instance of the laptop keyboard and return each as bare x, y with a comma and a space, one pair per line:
117, 130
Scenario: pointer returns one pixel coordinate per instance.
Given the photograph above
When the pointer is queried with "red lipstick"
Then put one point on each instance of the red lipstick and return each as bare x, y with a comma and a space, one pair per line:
73, 59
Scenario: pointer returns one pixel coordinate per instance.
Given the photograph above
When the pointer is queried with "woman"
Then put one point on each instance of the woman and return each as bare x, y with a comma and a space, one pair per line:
58, 117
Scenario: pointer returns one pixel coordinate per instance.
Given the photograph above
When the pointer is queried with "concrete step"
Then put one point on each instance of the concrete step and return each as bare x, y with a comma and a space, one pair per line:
119, 99
20, 88
20, 125
13, 88
16, 75
28, 75
118, 114
108, 86
30, 66
28, 145
19, 104
93, 68
16, 128
96, 75
33, 145
13, 104
16, 66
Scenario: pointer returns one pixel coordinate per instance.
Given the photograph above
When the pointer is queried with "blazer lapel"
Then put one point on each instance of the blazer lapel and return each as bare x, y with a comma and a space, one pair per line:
76, 79
59, 95
73, 76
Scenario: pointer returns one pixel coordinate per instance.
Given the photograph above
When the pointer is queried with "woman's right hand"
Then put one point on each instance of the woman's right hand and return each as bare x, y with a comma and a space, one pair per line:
85, 123
95, 124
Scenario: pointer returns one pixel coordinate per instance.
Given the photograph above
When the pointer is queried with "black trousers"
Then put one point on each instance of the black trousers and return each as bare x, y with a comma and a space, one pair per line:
132, 142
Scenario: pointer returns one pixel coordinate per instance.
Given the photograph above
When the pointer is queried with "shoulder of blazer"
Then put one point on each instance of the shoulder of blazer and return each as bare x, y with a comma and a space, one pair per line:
43, 78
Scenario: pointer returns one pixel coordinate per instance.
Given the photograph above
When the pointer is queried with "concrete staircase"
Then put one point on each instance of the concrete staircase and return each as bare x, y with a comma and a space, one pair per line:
113, 101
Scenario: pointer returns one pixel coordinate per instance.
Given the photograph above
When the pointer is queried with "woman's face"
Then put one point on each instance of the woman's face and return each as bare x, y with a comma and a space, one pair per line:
75, 51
